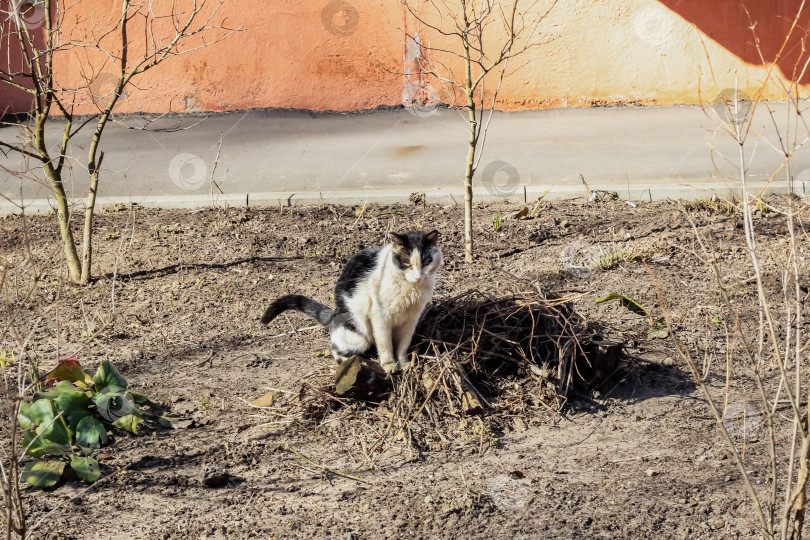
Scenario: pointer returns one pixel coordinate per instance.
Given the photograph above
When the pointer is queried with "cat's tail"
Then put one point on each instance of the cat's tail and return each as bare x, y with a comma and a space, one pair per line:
314, 309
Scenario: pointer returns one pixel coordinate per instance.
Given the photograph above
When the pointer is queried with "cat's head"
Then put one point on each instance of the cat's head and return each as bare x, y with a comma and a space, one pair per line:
416, 254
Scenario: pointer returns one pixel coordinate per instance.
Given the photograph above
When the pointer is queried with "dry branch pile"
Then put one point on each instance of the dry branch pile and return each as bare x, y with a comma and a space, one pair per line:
476, 358
491, 338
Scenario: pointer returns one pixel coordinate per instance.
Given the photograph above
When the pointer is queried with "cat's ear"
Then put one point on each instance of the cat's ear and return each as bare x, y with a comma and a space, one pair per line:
399, 239
432, 238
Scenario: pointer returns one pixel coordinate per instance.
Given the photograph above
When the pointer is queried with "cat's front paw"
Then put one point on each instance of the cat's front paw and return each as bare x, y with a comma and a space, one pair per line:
388, 364
403, 364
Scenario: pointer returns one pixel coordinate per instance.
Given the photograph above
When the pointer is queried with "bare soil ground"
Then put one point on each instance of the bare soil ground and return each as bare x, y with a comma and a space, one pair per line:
176, 309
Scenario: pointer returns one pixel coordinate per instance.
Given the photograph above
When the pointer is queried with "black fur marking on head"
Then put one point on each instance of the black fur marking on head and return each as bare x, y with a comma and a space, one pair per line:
400, 239
431, 238
401, 257
401, 253
405, 243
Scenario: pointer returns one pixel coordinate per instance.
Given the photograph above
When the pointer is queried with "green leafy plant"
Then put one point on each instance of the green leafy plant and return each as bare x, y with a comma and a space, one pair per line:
68, 421
361, 211
609, 261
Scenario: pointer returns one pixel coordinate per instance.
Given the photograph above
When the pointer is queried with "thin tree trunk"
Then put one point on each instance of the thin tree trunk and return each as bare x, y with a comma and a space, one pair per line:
71, 255
87, 249
93, 167
468, 188
93, 164
473, 141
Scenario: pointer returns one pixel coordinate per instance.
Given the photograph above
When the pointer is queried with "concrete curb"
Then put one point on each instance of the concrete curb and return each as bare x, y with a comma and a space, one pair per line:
518, 194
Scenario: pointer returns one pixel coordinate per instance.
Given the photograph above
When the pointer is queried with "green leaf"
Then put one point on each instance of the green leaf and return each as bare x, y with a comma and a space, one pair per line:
36, 446
107, 375
86, 468
131, 423
56, 432
74, 406
659, 331
113, 402
28, 438
56, 391
50, 425
24, 417
624, 301
90, 433
42, 411
144, 401
43, 474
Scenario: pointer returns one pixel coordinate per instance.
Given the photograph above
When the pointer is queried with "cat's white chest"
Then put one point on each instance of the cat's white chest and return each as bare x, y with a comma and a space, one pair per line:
389, 296
401, 298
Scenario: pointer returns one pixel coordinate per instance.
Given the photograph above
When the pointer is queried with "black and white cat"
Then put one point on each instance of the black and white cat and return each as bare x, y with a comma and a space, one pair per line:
380, 296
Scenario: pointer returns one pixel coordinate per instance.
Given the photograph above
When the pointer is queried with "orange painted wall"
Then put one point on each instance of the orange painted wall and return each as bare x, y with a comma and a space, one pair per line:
655, 52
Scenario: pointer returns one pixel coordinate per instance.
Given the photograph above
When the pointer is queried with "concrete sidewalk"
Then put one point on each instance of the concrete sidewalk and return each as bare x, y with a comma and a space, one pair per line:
282, 157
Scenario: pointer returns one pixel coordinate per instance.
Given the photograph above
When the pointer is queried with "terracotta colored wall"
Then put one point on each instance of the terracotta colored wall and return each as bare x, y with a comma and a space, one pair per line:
655, 52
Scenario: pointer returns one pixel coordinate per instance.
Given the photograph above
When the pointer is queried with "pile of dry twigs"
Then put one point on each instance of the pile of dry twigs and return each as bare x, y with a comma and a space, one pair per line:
490, 338
476, 358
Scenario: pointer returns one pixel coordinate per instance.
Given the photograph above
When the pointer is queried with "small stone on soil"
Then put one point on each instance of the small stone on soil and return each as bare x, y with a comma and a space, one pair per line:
214, 476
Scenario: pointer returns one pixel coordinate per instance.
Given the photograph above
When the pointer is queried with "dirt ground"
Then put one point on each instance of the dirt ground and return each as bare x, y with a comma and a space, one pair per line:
176, 308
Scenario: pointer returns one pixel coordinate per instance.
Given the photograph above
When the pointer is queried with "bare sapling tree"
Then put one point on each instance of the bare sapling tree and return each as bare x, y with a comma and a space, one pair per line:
483, 36
111, 54
773, 337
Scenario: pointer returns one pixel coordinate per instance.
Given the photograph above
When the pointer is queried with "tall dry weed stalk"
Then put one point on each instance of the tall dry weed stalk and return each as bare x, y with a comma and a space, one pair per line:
19, 374
777, 343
